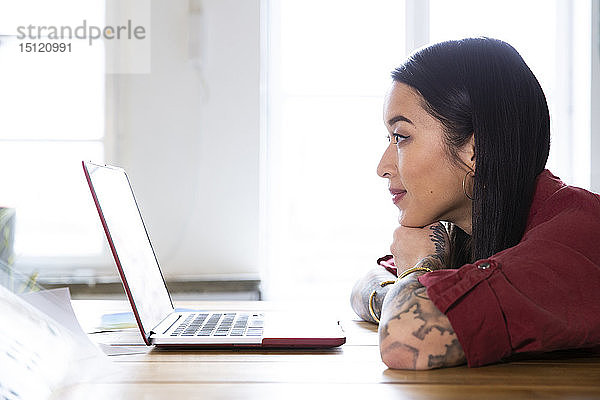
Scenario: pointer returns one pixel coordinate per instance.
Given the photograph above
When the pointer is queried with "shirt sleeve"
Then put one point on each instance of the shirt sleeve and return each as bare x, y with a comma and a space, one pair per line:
539, 296
387, 262
468, 299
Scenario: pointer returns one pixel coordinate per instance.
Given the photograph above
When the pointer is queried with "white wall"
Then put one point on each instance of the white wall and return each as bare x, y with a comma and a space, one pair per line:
189, 139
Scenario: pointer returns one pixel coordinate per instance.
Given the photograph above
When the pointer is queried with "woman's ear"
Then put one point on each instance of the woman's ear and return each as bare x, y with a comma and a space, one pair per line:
467, 153
472, 150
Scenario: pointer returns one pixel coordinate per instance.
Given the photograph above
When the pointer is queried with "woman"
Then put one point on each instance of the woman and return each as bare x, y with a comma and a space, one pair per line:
518, 270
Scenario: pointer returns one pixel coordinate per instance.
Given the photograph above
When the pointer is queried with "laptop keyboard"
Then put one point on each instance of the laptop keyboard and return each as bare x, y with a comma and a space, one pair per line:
223, 324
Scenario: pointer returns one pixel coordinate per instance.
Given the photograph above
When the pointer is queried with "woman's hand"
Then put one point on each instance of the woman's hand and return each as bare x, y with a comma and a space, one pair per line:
361, 292
411, 245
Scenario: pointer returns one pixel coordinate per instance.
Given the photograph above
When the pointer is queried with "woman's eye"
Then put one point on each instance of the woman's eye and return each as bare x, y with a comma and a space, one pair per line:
396, 138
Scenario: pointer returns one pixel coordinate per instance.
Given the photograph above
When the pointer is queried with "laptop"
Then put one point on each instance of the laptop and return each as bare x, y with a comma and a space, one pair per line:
159, 323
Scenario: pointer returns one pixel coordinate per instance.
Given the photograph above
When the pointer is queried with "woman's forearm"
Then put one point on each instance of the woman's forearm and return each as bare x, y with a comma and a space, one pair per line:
362, 290
413, 333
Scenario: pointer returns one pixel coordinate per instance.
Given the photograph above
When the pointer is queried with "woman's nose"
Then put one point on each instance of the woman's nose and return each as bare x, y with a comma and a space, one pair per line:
387, 165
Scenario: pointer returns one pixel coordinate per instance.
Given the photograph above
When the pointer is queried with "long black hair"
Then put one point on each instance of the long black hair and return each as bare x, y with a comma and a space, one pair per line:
482, 87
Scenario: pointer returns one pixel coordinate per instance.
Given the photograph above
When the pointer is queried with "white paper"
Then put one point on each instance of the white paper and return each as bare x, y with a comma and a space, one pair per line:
120, 350
38, 354
56, 303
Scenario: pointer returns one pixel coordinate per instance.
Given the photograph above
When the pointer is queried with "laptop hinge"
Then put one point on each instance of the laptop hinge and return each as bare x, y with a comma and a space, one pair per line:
165, 324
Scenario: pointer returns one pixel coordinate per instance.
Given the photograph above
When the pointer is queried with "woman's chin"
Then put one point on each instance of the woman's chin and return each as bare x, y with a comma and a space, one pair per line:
408, 222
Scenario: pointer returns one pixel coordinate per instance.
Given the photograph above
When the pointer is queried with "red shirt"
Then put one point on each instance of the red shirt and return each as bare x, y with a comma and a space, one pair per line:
542, 294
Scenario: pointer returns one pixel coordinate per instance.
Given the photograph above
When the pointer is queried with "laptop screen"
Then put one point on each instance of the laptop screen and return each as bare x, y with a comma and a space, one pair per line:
130, 244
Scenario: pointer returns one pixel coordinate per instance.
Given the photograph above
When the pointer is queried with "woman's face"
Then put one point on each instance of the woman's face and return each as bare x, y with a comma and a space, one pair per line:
425, 185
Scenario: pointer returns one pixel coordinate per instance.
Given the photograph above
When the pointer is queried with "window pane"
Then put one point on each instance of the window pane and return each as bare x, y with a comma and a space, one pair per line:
508, 20
328, 201
52, 117
543, 33
52, 95
340, 46
329, 214
55, 212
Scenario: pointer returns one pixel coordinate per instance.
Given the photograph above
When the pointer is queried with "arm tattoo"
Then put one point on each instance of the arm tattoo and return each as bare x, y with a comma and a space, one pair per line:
430, 262
438, 237
362, 290
413, 333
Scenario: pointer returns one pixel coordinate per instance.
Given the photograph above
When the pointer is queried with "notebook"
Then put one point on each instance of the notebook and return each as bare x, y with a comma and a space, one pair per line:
159, 323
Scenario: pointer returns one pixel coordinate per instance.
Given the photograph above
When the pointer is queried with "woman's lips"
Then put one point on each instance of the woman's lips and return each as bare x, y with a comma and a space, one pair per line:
397, 195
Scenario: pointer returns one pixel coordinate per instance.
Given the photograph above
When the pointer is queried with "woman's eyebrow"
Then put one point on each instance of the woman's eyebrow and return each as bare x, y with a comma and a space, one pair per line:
397, 118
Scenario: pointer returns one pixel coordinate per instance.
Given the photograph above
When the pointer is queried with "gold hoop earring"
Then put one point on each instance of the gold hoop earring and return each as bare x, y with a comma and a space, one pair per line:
464, 182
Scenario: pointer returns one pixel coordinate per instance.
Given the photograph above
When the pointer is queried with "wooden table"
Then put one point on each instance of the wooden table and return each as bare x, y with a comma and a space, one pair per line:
354, 370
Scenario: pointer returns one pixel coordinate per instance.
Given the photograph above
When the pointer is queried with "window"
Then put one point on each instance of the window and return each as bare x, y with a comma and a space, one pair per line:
52, 118
328, 67
554, 38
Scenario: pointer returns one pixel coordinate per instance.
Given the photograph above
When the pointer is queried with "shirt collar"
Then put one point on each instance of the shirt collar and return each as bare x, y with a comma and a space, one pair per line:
546, 184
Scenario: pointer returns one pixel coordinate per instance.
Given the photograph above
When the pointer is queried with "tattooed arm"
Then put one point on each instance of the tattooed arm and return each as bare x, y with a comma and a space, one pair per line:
364, 287
413, 333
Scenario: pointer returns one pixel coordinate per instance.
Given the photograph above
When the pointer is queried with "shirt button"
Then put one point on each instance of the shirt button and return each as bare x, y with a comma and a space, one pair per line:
484, 265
